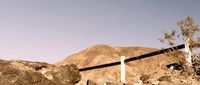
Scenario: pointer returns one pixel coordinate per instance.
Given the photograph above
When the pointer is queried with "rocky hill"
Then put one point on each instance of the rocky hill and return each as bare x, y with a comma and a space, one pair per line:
148, 71
37, 73
164, 69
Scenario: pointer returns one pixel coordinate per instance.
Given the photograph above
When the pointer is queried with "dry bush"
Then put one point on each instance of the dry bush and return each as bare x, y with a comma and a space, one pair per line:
169, 37
189, 31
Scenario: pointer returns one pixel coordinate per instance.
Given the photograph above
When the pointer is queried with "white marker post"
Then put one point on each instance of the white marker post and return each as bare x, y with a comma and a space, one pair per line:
123, 70
188, 52
188, 55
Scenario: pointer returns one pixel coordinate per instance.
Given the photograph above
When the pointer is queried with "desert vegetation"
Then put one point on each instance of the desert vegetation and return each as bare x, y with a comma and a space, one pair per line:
189, 32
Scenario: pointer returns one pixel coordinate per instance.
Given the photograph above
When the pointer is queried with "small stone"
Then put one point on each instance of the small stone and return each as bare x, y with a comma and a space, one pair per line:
144, 78
164, 78
90, 82
155, 82
139, 82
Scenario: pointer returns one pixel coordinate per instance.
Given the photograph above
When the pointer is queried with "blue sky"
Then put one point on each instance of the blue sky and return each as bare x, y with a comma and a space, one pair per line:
50, 30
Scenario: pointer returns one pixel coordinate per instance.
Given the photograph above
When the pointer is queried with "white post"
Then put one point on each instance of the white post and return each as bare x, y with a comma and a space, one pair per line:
123, 70
188, 52
188, 57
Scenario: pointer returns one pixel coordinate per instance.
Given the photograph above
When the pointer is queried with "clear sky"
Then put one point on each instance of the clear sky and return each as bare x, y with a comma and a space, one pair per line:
50, 30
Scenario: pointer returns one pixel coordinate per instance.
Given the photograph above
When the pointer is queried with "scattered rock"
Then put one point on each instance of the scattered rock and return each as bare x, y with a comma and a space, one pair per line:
144, 78
139, 82
175, 66
90, 82
114, 83
164, 78
155, 82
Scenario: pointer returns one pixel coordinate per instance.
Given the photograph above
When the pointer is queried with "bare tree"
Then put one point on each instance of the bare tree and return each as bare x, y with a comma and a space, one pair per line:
192, 42
188, 29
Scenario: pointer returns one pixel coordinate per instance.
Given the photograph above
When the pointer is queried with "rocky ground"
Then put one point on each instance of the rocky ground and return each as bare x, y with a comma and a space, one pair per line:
37, 73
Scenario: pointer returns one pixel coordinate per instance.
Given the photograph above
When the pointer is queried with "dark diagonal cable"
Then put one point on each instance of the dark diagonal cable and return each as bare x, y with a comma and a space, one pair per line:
134, 58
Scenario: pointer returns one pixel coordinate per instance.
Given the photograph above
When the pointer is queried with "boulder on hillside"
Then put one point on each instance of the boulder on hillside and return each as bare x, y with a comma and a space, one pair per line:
37, 73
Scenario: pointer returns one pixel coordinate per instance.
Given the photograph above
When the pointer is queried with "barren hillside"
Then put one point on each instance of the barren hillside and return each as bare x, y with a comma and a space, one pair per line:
153, 67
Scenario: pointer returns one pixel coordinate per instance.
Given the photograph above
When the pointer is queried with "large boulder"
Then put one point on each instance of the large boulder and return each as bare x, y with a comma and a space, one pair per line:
37, 73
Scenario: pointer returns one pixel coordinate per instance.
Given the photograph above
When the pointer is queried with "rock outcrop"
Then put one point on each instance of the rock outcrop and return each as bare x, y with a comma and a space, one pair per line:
37, 73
